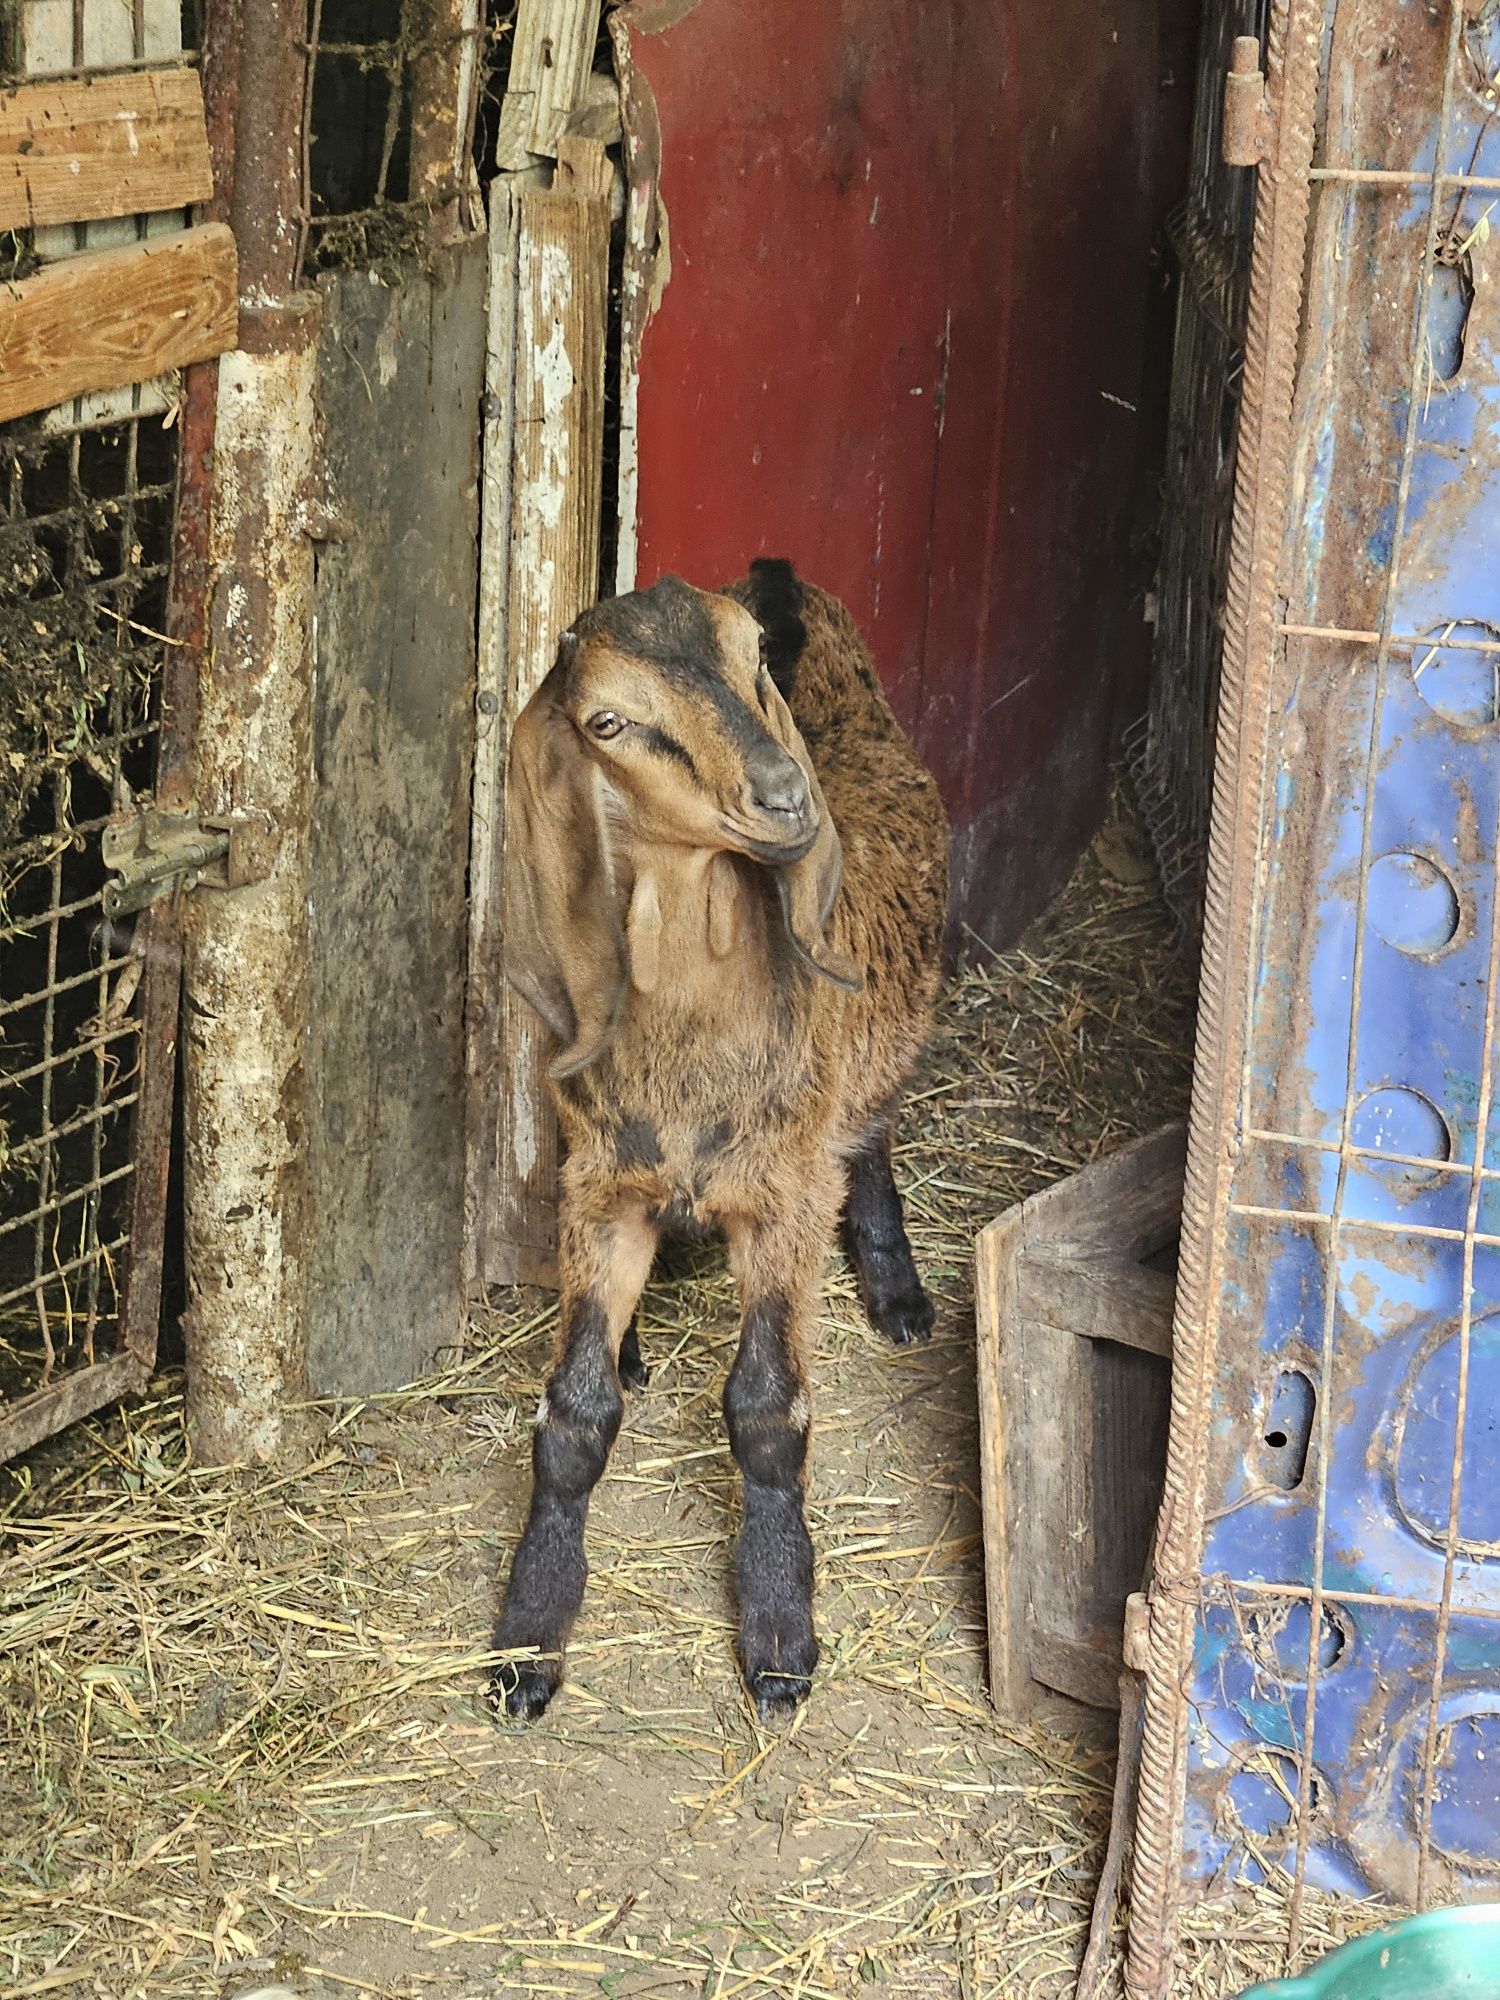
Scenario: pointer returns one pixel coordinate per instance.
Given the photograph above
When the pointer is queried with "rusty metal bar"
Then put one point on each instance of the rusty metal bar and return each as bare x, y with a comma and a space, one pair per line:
49, 1276
84, 1191
1401, 177
50, 1134
1261, 482
1405, 642
1416, 1232
54, 988
1217, 1590
126, 1031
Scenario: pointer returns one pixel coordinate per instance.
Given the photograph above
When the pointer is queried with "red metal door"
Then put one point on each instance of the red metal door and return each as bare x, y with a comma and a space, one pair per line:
903, 342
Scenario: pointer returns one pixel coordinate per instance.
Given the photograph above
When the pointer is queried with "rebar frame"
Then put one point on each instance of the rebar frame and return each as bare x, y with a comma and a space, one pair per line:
1230, 1141
87, 1007
1169, 751
71, 1035
429, 68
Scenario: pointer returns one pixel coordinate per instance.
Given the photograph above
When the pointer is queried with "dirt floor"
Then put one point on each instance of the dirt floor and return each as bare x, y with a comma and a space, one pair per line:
242, 1733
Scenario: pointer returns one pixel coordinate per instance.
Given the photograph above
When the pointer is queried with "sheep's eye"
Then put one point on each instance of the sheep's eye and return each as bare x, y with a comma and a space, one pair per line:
605, 724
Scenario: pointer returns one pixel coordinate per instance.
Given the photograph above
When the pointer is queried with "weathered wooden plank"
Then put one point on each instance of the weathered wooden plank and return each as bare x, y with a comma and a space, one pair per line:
1098, 1295
106, 146
1002, 1464
550, 525
110, 317
400, 380
483, 1023
552, 52
1072, 1329
96, 35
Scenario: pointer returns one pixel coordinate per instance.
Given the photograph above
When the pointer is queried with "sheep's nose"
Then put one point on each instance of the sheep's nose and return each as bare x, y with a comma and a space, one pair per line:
777, 785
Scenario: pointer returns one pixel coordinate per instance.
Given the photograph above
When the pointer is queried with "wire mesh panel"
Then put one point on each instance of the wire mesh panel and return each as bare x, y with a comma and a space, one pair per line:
1324, 1682
86, 500
392, 97
85, 522
1170, 752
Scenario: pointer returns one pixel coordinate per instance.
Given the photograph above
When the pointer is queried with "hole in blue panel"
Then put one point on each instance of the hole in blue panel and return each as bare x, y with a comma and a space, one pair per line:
1429, 1422
1264, 1801
1411, 903
1278, 1638
1455, 678
1448, 318
1396, 1120
1264, 1794
1466, 1790
1288, 1431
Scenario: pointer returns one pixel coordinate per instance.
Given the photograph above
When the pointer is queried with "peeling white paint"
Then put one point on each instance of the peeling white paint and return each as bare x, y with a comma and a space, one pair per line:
246, 953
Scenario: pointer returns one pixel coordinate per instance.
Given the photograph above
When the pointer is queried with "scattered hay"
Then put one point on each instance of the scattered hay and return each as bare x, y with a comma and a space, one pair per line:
242, 1739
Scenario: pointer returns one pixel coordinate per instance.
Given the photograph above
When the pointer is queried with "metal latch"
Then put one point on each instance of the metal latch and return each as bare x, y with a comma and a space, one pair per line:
155, 853
1246, 137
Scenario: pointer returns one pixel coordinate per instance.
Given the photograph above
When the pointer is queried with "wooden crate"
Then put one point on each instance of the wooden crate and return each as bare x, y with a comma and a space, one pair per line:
1075, 1291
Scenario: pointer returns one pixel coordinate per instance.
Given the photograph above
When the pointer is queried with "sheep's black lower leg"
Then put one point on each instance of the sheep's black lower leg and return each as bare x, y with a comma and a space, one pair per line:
765, 1406
577, 1422
633, 1371
876, 1244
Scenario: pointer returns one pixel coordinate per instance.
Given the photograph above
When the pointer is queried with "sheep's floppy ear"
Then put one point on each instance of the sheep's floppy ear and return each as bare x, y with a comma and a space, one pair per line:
564, 946
809, 888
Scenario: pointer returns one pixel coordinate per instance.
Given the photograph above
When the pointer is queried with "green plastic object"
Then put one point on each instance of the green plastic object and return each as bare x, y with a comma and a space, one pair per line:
1441, 1955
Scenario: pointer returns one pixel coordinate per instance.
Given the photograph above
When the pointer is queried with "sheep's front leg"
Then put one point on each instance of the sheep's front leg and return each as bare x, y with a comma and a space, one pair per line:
604, 1267
778, 1269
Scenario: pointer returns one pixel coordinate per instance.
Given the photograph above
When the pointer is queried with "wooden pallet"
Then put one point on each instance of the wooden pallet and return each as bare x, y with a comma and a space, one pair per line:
1075, 1290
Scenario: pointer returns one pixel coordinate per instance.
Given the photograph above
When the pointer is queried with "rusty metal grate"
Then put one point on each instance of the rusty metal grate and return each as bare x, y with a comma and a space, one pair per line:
380, 150
85, 527
1323, 1688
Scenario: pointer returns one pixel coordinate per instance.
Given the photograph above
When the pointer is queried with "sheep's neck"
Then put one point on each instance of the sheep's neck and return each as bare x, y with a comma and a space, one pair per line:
694, 928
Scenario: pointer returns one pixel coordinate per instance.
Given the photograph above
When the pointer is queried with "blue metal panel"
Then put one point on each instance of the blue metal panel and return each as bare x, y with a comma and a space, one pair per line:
1345, 1690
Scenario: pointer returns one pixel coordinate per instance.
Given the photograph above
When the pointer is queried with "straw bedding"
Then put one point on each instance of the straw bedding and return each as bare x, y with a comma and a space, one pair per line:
242, 1739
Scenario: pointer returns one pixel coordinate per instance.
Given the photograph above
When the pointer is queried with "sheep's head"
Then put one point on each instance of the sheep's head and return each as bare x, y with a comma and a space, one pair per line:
659, 723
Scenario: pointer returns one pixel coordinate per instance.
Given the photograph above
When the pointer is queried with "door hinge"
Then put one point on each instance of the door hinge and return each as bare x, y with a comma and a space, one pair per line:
1246, 136
155, 853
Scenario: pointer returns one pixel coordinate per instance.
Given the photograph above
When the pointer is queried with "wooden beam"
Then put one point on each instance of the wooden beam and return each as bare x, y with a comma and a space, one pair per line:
539, 567
115, 145
109, 317
552, 51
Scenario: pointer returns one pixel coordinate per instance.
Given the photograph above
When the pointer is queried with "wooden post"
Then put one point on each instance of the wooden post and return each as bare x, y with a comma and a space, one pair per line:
246, 1024
539, 567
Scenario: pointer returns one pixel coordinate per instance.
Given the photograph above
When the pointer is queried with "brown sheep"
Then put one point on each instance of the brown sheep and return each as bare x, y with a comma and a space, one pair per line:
726, 889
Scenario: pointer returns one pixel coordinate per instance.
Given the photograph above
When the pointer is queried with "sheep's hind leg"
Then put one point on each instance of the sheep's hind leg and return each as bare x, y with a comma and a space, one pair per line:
876, 1244
633, 1371
604, 1269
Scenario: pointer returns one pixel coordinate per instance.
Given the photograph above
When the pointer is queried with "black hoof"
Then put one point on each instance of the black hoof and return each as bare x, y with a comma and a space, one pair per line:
633, 1371
778, 1652
521, 1689
777, 1695
904, 1319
